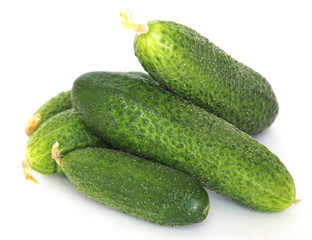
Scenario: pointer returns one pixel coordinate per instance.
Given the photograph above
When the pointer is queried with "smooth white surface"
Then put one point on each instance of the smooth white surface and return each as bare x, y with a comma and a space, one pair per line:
46, 45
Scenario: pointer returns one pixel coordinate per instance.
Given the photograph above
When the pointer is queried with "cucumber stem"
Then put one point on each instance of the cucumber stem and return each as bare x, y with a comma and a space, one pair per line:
297, 201
27, 171
56, 153
32, 124
130, 24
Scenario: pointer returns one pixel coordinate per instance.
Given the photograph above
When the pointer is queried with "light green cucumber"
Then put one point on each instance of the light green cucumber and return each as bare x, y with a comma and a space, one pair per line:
57, 104
190, 65
66, 128
136, 115
133, 185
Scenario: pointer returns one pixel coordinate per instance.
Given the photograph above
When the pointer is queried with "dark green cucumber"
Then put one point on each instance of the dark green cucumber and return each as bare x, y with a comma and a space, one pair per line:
193, 67
136, 115
57, 104
69, 130
133, 185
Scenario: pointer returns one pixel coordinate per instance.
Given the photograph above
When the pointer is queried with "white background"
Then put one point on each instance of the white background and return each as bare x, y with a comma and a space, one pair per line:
46, 45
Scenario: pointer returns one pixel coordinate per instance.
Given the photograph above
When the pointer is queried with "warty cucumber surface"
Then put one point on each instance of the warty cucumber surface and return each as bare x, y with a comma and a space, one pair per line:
190, 65
133, 185
135, 114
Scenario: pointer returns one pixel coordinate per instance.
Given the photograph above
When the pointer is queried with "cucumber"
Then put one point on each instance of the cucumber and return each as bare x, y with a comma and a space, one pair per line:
57, 104
190, 65
133, 185
136, 115
66, 128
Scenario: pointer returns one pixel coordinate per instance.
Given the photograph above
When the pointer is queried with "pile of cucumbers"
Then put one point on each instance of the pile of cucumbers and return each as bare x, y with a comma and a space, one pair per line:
148, 144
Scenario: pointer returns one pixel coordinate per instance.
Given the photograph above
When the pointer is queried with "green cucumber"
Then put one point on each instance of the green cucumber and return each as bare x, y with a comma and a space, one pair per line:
69, 130
136, 115
190, 65
57, 104
133, 185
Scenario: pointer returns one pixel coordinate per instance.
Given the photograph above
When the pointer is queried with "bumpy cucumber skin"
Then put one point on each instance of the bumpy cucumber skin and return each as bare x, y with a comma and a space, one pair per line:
137, 116
193, 67
133, 185
69, 130
55, 105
